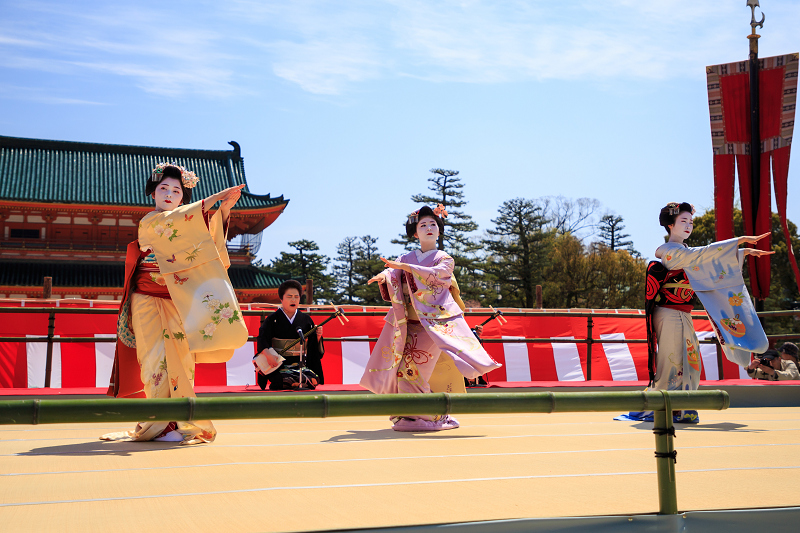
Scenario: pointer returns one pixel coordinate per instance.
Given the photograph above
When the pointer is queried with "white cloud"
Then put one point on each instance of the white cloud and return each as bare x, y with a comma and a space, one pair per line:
324, 68
216, 49
325, 50
161, 58
35, 94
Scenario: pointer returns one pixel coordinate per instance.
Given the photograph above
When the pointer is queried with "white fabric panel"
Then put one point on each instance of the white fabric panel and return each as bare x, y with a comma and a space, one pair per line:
37, 362
354, 359
240, 369
619, 358
708, 353
103, 360
568, 360
518, 365
743, 373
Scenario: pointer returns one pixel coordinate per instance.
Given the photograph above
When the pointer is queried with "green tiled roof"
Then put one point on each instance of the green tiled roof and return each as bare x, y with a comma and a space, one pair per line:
34, 170
250, 277
111, 275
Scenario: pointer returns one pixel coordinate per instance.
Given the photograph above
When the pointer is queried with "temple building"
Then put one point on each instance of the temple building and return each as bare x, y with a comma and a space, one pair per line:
69, 209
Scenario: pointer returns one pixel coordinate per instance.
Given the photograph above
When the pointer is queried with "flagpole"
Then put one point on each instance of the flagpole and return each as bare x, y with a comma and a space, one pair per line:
755, 130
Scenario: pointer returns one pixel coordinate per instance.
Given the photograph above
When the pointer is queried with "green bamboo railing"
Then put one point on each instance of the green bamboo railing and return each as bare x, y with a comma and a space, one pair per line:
44, 411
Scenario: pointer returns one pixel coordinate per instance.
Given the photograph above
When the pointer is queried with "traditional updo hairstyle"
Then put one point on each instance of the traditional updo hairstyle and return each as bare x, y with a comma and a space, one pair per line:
168, 171
671, 211
414, 218
289, 284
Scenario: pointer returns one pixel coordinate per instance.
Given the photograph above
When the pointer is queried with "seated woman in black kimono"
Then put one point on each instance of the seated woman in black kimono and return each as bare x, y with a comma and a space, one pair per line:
280, 329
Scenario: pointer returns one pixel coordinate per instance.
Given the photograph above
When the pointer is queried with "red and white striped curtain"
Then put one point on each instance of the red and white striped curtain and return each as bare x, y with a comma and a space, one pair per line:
88, 365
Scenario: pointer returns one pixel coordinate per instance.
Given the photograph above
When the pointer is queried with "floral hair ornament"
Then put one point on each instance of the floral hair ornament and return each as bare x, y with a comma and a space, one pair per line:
675, 207
188, 178
439, 211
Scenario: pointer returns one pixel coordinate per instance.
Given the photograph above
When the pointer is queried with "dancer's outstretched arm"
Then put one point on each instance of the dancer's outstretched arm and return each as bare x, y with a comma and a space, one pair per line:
228, 199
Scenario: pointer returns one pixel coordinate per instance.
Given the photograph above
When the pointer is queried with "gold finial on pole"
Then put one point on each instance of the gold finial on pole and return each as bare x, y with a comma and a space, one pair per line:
753, 4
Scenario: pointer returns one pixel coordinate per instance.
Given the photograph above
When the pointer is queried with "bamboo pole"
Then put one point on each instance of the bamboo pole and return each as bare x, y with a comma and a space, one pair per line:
44, 411
665, 458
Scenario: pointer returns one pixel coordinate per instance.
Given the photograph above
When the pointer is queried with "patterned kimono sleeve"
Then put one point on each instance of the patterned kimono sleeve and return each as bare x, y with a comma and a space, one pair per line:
440, 274
219, 234
675, 256
383, 286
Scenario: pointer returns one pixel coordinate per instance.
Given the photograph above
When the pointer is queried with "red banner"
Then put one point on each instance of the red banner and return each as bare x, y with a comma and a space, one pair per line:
729, 108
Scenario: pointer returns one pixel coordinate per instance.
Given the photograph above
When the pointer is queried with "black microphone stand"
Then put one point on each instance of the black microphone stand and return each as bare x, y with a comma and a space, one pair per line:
303, 353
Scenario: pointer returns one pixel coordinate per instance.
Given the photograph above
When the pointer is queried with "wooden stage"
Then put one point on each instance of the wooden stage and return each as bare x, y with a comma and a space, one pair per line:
328, 474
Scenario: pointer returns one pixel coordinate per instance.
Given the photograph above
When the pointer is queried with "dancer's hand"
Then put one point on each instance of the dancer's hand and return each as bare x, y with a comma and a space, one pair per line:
750, 239
757, 253
227, 197
227, 202
395, 264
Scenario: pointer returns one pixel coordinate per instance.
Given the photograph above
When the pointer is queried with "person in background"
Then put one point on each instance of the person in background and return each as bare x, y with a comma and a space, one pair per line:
775, 366
280, 329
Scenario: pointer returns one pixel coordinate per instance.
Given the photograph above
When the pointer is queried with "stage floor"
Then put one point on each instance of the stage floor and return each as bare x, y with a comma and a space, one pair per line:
321, 474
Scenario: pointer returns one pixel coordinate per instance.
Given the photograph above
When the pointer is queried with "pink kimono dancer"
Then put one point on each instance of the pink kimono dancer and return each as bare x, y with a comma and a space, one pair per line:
407, 350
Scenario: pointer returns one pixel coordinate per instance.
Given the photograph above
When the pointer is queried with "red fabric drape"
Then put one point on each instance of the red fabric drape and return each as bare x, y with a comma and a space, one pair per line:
723, 194
780, 175
756, 225
770, 101
763, 224
736, 106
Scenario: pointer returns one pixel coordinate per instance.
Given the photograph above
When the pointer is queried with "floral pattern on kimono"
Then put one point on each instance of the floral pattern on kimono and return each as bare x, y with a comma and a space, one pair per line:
715, 275
424, 322
193, 259
176, 299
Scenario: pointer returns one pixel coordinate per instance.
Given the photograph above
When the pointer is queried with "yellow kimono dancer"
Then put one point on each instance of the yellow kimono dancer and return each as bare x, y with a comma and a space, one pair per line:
178, 306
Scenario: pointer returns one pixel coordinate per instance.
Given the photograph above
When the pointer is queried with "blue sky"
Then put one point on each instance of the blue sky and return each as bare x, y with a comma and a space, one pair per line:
343, 107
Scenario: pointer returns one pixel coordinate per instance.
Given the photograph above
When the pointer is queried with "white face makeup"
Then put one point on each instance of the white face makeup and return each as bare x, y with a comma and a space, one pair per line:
427, 231
682, 227
168, 194
290, 301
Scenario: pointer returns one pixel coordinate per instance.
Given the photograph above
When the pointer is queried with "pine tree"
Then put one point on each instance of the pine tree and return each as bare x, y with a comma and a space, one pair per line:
519, 251
446, 188
344, 270
611, 234
368, 263
306, 264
